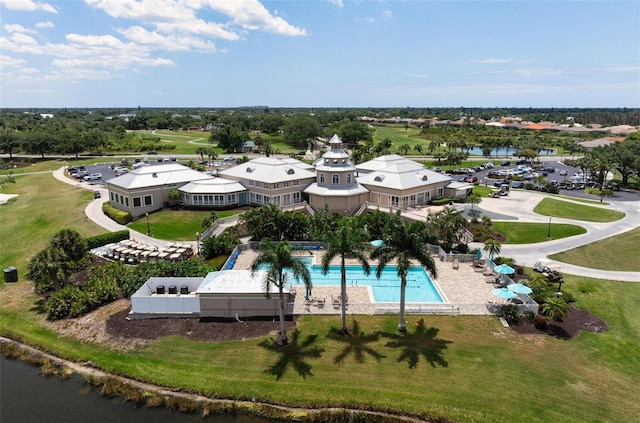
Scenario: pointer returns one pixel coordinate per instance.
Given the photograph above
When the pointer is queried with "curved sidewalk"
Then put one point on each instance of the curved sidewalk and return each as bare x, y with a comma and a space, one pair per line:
518, 206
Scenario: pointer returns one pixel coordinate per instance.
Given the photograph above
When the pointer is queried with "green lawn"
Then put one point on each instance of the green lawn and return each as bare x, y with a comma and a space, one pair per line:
455, 367
529, 233
568, 210
464, 368
176, 225
607, 254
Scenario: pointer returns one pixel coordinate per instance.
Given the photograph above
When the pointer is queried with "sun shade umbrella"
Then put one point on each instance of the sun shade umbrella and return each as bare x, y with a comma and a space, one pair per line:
504, 269
503, 293
377, 243
519, 288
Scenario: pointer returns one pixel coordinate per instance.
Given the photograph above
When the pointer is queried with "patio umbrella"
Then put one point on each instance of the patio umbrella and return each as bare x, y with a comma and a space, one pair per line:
519, 288
377, 243
478, 253
503, 293
504, 269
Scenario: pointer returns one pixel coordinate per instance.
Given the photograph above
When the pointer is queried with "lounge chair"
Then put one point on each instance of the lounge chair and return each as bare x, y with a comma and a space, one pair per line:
456, 264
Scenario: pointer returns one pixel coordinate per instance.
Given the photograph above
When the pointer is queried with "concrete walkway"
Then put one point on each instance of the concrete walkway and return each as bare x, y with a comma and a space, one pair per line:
518, 205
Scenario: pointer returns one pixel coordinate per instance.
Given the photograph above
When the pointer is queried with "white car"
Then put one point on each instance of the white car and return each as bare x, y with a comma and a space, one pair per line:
93, 177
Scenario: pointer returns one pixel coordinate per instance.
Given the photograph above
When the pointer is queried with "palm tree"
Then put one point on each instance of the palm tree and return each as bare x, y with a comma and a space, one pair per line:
473, 199
344, 246
448, 225
403, 245
278, 258
555, 307
493, 247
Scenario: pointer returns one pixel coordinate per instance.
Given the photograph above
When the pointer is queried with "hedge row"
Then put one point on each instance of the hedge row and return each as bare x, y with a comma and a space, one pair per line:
119, 216
108, 238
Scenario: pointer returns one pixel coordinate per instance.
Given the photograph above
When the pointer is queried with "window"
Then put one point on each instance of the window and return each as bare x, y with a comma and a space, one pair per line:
232, 199
287, 199
348, 178
251, 182
405, 201
412, 199
276, 186
322, 178
126, 201
335, 179
137, 202
276, 199
112, 196
252, 197
286, 184
440, 191
295, 182
148, 200
395, 200
296, 197
218, 200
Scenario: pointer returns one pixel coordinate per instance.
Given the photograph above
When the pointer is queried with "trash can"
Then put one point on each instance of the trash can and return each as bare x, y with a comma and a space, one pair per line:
10, 274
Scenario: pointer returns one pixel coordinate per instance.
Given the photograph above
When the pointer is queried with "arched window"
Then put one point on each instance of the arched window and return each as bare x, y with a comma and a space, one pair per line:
322, 178
335, 179
348, 178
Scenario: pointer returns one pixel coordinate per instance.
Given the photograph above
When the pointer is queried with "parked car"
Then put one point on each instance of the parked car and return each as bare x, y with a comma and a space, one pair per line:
471, 179
80, 174
230, 159
152, 153
563, 172
505, 163
96, 194
517, 185
93, 177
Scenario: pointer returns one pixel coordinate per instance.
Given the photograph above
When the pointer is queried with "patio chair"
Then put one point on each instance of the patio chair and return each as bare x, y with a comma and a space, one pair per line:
456, 264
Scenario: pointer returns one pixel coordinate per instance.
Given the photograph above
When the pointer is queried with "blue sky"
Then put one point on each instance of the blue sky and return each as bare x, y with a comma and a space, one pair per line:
319, 53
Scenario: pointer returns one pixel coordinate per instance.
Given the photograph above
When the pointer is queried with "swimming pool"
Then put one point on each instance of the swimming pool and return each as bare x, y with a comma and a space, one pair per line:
420, 288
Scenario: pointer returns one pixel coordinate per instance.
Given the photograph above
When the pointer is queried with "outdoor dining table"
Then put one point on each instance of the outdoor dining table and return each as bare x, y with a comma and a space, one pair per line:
181, 250
162, 255
120, 249
174, 256
146, 254
126, 242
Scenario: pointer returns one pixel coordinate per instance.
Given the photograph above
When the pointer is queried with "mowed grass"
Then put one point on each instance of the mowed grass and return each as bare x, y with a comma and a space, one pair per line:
569, 210
529, 232
175, 225
621, 252
43, 206
465, 368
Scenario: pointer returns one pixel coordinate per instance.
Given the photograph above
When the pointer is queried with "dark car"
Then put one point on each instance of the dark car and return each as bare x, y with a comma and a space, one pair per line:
549, 169
96, 194
505, 163
153, 153
517, 185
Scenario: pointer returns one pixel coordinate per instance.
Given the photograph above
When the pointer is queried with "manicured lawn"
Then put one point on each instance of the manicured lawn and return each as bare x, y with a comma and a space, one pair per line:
620, 252
465, 368
529, 232
569, 210
454, 367
175, 225
43, 207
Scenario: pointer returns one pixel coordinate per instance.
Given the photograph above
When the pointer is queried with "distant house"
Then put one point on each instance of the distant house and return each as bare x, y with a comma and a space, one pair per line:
248, 147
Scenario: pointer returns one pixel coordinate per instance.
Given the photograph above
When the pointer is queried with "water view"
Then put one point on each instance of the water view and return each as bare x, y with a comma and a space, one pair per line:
505, 152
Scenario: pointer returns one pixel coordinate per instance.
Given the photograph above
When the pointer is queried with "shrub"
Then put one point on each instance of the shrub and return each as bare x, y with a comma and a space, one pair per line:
119, 216
551, 189
441, 201
486, 220
108, 238
510, 313
555, 308
69, 301
101, 288
539, 322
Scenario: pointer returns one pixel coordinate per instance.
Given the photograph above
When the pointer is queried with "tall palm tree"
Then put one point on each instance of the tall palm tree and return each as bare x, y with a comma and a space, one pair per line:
278, 258
403, 245
344, 246
493, 247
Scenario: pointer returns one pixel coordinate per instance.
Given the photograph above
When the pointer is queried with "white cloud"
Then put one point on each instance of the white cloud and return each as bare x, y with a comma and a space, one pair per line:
18, 28
145, 10
21, 43
156, 41
336, 2
387, 14
28, 6
45, 24
492, 61
8, 61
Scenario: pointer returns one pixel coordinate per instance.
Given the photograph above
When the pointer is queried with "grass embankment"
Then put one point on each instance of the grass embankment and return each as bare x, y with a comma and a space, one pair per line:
455, 366
466, 368
570, 210
607, 254
176, 225
529, 232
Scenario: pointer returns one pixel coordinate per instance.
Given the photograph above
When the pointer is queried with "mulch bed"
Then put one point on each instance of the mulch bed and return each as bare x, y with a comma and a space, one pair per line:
569, 327
197, 329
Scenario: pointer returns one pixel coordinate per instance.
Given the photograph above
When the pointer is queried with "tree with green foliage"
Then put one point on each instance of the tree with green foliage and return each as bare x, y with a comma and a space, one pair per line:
493, 247
555, 308
174, 197
9, 141
277, 259
221, 245
404, 149
352, 132
473, 199
300, 130
344, 246
403, 246
448, 226
228, 137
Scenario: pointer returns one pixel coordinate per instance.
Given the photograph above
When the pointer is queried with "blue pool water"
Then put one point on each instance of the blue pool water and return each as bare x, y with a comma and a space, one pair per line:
420, 288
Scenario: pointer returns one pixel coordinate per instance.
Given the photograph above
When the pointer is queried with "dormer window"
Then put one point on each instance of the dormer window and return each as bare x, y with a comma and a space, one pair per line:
290, 171
379, 178
250, 169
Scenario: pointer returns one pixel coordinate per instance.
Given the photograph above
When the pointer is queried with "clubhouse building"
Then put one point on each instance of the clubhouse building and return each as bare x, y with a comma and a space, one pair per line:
389, 182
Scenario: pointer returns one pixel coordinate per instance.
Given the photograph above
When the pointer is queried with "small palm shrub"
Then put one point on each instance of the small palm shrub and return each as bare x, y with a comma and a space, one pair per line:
510, 313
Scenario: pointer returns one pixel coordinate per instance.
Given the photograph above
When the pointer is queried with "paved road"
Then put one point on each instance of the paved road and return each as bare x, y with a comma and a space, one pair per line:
518, 206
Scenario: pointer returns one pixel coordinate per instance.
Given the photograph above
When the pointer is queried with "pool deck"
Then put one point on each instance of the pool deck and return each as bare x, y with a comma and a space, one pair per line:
464, 290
